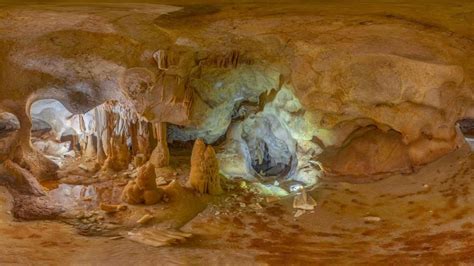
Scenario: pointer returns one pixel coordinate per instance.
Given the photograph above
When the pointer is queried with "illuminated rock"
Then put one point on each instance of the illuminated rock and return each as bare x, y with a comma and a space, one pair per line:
201, 81
204, 175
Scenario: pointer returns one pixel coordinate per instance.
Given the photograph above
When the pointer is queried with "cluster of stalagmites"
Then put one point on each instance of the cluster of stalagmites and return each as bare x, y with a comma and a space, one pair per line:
116, 137
106, 139
143, 190
204, 176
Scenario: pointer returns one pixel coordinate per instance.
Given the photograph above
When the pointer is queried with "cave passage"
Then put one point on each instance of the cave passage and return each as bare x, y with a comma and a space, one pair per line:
301, 132
270, 156
54, 131
108, 130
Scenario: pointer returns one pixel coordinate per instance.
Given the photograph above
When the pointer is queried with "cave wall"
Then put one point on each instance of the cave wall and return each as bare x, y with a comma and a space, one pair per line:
195, 67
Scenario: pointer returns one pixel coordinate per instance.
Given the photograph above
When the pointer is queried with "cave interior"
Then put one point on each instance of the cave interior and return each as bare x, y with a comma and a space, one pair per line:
174, 129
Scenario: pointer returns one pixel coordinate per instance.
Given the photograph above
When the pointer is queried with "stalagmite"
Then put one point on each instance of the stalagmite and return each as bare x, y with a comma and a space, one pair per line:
99, 124
204, 175
212, 167
115, 124
143, 190
119, 156
82, 124
91, 151
139, 160
197, 179
109, 128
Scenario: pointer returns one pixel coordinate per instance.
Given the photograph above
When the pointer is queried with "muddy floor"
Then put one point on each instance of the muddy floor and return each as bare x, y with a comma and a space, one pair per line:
426, 217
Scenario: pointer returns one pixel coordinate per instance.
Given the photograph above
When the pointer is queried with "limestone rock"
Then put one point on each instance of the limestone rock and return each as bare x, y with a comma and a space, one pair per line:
145, 219
157, 237
163, 97
112, 208
91, 150
368, 151
119, 156
31, 202
303, 201
31, 207
139, 160
143, 190
204, 175
160, 156
8, 122
22, 180
407, 73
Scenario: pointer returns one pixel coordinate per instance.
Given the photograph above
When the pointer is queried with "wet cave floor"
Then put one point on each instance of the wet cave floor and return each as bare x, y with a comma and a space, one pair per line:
425, 217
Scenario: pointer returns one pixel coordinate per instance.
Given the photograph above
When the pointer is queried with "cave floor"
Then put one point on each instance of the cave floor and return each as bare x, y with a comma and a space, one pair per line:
423, 217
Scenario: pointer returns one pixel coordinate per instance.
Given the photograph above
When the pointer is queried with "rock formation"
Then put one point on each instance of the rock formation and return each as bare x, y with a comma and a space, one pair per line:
22, 180
98, 99
160, 155
368, 151
153, 79
204, 175
119, 156
143, 190
31, 202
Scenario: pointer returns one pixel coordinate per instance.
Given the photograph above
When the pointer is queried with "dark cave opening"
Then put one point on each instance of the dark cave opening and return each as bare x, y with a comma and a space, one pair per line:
266, 166
467, 128
270, 156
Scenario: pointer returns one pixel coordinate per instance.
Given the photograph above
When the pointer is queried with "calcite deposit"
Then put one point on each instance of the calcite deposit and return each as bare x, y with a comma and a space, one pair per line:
143, 190
116, 113
204, 174
414, 82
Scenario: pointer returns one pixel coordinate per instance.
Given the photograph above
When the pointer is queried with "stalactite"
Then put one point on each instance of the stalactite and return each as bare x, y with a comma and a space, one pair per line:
99, 126
231, 59
119, 128
75, 143
212, 170
82, 124
110, 122
82, 145
151, 138
161, 58
78, 140
143, 140
133, 129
